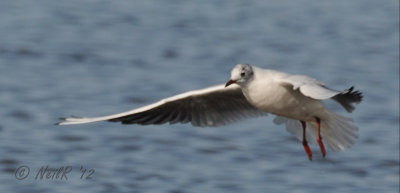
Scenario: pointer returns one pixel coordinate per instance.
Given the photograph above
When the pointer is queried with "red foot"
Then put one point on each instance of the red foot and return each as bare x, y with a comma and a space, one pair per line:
322, 147
319, 138
308, 150
305, 144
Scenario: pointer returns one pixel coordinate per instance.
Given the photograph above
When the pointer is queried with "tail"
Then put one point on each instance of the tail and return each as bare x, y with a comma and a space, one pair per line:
338, 131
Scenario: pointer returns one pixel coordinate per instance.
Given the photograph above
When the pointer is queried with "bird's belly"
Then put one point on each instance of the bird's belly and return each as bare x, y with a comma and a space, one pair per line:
285, 102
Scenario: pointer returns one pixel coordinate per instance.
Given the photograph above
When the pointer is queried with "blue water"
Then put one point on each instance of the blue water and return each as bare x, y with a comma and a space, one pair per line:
90, 58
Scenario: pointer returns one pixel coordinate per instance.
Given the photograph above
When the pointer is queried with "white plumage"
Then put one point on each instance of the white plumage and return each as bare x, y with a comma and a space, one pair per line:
295, 99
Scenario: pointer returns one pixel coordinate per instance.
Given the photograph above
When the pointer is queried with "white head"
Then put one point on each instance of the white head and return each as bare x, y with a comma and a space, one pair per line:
241, 74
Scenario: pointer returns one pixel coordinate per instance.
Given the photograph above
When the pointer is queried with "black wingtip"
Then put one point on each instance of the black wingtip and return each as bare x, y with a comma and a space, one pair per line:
354, 95
61, 120
347, 97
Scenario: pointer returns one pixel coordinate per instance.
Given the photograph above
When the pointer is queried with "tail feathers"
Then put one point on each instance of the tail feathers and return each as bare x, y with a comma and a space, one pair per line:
337, 131
347, 97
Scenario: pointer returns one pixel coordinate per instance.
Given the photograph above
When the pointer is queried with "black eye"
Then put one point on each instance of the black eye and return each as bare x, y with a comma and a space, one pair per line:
242, 74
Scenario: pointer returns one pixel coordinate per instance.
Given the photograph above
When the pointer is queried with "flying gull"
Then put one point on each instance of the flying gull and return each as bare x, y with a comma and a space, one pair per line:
297, 100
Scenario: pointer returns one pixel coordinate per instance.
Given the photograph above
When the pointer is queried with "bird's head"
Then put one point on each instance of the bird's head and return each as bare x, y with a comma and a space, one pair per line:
240, 74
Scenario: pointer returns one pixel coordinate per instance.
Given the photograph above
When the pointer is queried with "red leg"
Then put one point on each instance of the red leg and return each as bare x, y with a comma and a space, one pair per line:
319, 138
305, 144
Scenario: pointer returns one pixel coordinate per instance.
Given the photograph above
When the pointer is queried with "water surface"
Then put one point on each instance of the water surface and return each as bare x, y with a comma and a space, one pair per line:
90, 58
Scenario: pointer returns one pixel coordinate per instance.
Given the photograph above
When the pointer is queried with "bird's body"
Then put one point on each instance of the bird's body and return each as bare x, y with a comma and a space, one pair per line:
268, 93
295, 99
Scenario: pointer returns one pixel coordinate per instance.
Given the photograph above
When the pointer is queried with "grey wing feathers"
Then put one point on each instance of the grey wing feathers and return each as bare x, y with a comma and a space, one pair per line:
211, 106
211, 109
308, 86
345, 98
317, 90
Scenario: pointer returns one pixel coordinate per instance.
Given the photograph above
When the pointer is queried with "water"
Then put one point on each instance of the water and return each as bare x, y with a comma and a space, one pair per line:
61, 58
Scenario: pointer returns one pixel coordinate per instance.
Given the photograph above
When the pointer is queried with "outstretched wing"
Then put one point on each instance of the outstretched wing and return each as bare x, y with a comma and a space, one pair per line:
211, 106
317, 90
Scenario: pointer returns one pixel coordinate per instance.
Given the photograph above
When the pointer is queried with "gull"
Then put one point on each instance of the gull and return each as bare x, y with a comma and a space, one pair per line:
297, 100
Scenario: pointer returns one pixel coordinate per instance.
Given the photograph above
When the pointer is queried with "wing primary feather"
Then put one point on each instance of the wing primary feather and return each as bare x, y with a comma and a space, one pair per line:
139, 118
347, 98
165, 118
159, 119
184, 114
130, 119
175, 118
